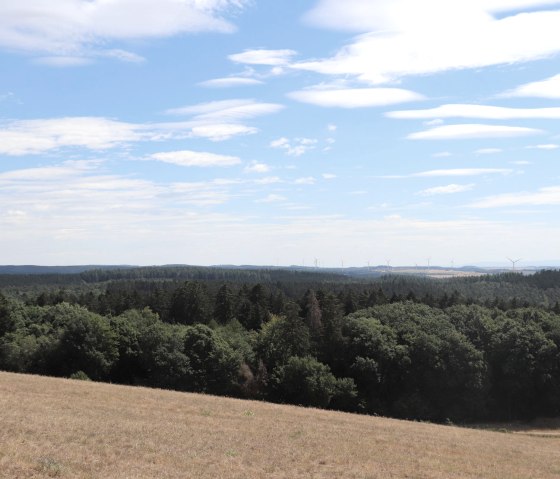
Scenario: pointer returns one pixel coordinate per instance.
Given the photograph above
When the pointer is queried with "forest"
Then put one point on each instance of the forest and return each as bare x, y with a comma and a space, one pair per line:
485, 348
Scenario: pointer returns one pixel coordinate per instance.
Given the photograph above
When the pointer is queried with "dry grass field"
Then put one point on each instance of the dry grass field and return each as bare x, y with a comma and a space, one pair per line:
73, 429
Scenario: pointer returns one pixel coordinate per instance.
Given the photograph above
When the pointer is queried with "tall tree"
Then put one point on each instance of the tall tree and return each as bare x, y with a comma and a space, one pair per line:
189, 304
224, 307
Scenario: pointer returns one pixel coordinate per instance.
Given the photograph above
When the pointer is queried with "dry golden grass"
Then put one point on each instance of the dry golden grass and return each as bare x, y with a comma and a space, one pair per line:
73, 429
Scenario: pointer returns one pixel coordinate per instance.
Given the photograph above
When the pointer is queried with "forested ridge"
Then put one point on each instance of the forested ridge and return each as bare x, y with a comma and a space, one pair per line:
470, 349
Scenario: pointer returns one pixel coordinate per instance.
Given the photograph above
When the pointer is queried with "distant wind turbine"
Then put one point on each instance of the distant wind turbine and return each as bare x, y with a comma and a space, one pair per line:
514, 262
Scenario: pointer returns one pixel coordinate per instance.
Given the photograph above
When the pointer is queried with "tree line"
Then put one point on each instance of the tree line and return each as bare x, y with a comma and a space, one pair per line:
356, 348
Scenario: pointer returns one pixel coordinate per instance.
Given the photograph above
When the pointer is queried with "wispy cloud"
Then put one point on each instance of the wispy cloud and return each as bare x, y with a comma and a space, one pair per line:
227, 110
488, 151
263, 57
442, 154
272, 198
484, 112
35, 136
268, 180
446, 190
354, 97
256, 167
548, 88
546, 146
463, 172
295, 146
307, 180
470, 131
222, 120
195, 158
542, 197
229, 82
63, 61
76, 28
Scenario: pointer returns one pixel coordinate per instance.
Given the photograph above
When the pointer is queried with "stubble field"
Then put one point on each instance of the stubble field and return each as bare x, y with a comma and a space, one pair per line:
73, 429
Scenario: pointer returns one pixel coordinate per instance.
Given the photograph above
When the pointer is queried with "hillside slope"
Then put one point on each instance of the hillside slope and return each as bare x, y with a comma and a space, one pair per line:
73, 429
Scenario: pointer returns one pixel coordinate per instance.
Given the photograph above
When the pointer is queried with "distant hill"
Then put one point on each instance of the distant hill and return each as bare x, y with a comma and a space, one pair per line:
77, 429
32, 269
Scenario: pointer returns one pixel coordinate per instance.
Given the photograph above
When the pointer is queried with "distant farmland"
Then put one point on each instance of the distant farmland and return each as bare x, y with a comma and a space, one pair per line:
74, 429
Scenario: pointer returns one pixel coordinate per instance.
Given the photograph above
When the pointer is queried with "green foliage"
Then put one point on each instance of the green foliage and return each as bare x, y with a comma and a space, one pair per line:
304, 381
224, 307
466, 349
189, 304
213, 365
87, 343
80, 376
282, 338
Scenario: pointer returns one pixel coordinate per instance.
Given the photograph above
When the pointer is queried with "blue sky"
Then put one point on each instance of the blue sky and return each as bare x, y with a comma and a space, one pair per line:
260, 132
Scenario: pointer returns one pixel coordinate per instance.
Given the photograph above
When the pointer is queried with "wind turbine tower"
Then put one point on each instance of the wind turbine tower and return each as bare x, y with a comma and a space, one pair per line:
514, 262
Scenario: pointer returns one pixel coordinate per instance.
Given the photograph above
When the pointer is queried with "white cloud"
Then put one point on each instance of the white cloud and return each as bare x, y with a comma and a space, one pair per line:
308, 180
434, 122
121, 55
222, 120
256, 167
331, 127
263, 57
488, 151
35, 136
229, 82
296, 146
548, 88
221, 132
328, 176
195, 158
406, 37
70, 217
78, 27
63, 61
354, 97
23, 137
272, 198
469, 131
521, 162
446, 190
547, 146
227, 110
542, 197
462, 172
485, 112
442, 154
268, 180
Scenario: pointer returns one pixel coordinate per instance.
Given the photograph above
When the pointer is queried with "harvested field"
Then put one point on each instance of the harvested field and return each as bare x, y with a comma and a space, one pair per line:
73, 429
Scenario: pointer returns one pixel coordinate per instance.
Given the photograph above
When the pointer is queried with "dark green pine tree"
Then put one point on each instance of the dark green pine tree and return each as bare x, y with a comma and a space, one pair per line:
224, 308
189, 304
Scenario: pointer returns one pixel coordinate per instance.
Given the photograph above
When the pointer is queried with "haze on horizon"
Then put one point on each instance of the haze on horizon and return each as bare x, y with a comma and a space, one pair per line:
250, 132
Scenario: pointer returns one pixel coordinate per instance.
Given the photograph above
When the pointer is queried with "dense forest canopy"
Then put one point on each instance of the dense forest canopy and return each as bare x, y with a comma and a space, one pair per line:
459, 349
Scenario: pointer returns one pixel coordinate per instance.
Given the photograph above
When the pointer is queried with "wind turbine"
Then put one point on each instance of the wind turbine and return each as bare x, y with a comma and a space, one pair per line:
514, 262
388, 261
316, 262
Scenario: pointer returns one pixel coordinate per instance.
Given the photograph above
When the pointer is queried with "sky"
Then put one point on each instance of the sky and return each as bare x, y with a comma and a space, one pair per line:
279, 133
